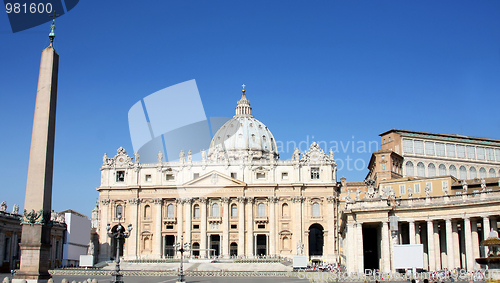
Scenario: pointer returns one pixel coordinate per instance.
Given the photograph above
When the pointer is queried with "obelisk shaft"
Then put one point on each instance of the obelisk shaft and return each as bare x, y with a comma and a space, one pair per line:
35, 239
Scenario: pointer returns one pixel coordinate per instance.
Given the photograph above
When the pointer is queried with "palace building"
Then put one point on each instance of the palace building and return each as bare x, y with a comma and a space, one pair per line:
441, 191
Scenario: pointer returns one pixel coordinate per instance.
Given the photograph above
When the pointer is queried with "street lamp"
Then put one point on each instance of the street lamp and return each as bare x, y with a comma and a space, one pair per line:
119, 235
181, 247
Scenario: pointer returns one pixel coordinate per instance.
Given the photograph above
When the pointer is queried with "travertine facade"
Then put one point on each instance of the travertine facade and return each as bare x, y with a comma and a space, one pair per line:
239, 200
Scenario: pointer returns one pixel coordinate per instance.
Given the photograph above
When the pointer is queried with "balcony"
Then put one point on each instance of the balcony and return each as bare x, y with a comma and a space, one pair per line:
261, 219
169, 220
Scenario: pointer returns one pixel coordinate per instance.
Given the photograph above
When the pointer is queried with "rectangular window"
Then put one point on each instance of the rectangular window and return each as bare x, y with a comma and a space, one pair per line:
460, 151
261, 176
440, 150
471, 152
196, 226
148, 178
284, 176
197, 212
480, 153
262, 226
407, 146
417, 188
450, 150
234, 175
170, 177
315, 173
490, 154
402, 189
120, 176
497, 153
429, 185
196, 175
429, 148
170, 226
234, 226
419, 147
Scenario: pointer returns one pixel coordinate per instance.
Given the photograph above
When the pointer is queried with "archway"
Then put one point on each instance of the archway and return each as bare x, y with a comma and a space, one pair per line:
114, 246
233, 249
316, 239
196, 249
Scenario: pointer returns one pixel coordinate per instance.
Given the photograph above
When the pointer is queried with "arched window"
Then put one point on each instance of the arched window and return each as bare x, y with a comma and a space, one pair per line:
463, 172
453, 171
170, 211
482, 172
420, 169
147, 212
215, 210
442, 170
492, 173
262, 210
473, 172
409, 169
315, 209
119, 211
431, 168
285, 212
234, 210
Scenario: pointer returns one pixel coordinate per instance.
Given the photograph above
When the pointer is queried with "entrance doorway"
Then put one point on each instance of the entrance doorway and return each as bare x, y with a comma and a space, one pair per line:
196, 249
215, 244
316, 239
233, 249
169, 245
371, 246
114, 246
261, 245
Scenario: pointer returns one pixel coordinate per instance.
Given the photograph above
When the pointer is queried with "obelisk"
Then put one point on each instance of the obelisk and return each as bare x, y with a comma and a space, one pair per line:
35, 238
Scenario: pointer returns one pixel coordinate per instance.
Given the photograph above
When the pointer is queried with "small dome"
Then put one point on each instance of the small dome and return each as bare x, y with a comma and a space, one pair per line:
243, 136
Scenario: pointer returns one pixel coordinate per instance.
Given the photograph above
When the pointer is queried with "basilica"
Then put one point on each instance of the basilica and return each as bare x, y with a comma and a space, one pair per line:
240, 200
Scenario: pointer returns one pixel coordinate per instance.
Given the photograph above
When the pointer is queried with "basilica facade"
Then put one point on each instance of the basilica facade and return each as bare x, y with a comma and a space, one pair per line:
240, 200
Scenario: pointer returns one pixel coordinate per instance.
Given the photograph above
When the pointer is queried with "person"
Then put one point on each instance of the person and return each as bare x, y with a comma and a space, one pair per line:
12, 271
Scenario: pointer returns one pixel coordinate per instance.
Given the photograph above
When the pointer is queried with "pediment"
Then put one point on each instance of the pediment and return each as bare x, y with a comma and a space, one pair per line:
214, 179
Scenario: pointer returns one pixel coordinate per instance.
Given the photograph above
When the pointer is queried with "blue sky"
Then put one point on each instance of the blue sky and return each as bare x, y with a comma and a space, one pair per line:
341, 71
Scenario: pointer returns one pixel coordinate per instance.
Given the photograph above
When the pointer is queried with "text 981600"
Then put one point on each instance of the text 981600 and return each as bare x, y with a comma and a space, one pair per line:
28, 8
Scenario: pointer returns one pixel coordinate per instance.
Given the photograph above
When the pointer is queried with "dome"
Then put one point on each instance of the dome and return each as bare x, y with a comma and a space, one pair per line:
243, 136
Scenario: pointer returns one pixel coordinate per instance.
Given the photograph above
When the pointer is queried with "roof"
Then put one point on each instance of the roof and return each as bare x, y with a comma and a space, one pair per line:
73, 212
456, 138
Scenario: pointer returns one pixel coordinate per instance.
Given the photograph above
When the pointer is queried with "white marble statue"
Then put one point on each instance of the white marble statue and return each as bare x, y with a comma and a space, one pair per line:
190, 156
15, 209
160, 157
3, 206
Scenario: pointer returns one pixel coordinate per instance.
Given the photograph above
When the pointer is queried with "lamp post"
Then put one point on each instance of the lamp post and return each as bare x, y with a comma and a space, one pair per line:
119, 235
181, 247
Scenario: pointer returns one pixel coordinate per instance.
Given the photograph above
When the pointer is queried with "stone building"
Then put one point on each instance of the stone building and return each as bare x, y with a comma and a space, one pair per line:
442, 190
10, 237
239, 200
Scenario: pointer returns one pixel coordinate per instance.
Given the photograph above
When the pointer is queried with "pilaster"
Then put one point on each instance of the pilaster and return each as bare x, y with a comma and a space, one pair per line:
241, 226
203, 236
157, 250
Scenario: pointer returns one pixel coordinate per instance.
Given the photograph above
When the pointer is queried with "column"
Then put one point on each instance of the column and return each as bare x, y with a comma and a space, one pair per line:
494, 223
241, 226
469, 252
329, 213
456, 244
297, 220
180, 220
225, 227
348, 246
157, 252
418, 231
203, 230
250, 238
272, 225
411, 225
450, 253
187, 237
133, 251
430, 245
486, 233
104, 241
386, 257
359, 247
437, 246
442, 245
475, 241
